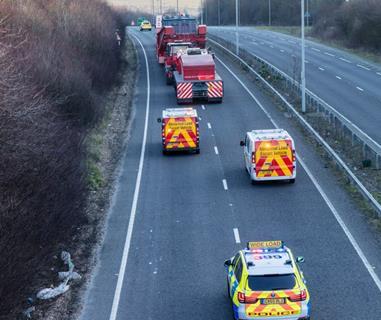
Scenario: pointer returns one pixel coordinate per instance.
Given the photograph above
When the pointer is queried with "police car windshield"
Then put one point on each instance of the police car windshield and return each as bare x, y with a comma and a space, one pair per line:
271, 282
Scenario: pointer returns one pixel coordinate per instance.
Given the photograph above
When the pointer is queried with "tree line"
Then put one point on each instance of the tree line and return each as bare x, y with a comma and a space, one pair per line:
56, 59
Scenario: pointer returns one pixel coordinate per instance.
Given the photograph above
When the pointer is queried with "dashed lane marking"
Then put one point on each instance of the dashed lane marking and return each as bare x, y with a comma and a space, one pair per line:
363, 67
345, 60
236, 235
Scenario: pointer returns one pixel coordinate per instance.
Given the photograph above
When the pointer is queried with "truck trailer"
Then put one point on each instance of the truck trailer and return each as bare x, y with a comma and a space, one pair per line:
195, 77
171, 29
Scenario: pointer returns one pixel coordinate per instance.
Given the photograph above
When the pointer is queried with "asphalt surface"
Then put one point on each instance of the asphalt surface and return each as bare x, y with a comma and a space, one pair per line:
348, 83
183, 228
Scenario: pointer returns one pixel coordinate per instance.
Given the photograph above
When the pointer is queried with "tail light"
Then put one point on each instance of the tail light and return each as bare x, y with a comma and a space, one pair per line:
293, 156
253, 157
242, 298
298, 297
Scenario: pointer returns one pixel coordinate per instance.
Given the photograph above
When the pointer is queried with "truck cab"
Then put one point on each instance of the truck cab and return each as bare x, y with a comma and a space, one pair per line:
181, 28
171, 57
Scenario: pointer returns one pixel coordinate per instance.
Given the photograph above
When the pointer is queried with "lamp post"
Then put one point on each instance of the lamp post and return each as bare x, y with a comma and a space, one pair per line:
236, 28
219, 12
206, 12
269, 12
303, 73
202, 11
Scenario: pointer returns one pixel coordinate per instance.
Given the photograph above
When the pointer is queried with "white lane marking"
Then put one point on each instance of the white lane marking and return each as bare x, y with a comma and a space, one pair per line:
337, 77
321, 69
379, 73
343, 226
203, 107
306, 61
236, 235
363, 67
216, 150
332, 208
225, 184
317, 50
345, 60
209, 125
360, 89
329, 54
127, 244
282, 50
271, 46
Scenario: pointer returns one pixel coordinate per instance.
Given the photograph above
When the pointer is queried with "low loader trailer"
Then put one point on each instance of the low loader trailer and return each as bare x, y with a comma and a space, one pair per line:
195, 77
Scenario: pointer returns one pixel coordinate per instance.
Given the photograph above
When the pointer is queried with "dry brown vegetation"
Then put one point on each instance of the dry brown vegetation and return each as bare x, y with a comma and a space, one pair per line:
56, 58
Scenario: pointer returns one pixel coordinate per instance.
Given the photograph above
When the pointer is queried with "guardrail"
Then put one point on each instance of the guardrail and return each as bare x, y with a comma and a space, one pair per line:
362, 189
371, 150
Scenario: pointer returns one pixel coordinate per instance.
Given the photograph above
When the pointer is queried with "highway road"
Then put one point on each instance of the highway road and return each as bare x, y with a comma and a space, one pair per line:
172, 220
348, 83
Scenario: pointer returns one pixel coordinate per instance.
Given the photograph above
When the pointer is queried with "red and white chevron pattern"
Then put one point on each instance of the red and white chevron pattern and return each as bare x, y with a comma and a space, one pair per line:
184, 90
215, 89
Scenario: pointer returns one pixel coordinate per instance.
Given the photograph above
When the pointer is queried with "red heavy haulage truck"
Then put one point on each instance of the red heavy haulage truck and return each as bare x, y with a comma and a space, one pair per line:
177, 29
195, 77
171, 58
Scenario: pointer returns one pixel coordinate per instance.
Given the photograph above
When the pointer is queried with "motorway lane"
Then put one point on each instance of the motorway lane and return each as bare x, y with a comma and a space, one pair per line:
295, 213
185, 220
346, 82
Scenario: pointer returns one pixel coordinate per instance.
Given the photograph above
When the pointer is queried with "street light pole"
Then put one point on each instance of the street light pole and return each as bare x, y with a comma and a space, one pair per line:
202, 11
206, 12
308, 14
219, 12
303, 73
236, 29
269, 12
153, 11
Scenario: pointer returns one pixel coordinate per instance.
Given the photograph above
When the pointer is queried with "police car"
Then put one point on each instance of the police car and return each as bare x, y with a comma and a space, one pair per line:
265, 282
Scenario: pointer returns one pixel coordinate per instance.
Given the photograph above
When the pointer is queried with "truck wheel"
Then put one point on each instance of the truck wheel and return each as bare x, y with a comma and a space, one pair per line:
197, 151
165, 152
219, 100
292, 180
169, 81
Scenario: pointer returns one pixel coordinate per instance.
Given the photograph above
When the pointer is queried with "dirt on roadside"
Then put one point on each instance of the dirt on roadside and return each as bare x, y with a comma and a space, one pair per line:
105, 144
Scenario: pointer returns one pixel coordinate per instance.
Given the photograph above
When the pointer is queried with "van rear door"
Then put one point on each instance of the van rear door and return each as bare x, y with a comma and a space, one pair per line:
181, 133
274, 158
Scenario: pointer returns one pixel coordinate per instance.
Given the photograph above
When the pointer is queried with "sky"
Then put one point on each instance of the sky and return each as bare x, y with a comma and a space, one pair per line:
191, 5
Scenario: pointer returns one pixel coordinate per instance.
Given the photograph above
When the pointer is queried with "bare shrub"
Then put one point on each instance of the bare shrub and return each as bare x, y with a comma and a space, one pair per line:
56, 57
